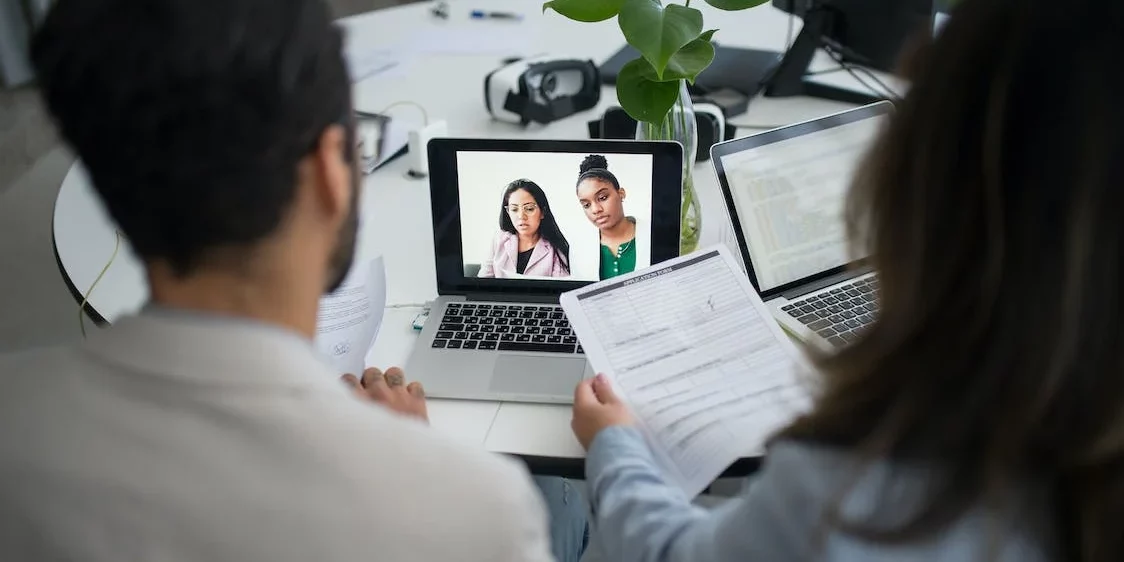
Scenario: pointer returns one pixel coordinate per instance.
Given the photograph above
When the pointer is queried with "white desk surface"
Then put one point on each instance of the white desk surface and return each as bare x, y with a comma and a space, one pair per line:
395, 210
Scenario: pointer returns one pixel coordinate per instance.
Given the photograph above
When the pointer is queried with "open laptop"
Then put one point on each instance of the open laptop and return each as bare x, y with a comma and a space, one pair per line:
785, 191
496, 332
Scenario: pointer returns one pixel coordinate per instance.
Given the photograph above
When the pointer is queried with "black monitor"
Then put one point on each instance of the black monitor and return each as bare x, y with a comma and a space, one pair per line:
869, 33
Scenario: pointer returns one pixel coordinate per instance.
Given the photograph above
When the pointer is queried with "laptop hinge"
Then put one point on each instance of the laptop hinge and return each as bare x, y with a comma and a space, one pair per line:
818, 284
511, 297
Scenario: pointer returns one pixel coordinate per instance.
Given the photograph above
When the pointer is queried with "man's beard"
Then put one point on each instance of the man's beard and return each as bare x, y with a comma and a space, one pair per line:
343, 256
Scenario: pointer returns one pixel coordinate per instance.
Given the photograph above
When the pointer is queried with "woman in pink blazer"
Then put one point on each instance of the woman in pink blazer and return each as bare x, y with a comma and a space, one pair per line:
529, 242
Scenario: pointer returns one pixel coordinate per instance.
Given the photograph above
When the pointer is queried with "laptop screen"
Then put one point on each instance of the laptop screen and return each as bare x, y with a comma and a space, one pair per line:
554, 215
546, 216
788, 188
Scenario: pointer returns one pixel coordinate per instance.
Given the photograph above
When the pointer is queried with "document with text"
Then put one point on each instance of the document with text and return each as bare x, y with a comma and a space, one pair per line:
692, 350
349, 318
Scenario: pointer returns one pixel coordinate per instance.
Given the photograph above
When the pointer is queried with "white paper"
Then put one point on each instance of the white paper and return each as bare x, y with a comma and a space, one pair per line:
383, 63
349, 318
693, 351
502, 38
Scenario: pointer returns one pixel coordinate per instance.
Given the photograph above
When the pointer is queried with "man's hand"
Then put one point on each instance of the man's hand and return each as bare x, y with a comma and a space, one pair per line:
596, 407
390, 390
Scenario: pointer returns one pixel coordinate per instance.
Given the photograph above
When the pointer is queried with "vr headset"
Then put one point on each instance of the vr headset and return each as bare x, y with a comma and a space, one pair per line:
541, 90
710, 121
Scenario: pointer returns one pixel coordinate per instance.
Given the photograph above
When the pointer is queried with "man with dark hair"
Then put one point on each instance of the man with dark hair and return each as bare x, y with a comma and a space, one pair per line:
218, 134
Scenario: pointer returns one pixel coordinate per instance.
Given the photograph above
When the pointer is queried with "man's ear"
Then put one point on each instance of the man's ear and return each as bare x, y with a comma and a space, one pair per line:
333, 170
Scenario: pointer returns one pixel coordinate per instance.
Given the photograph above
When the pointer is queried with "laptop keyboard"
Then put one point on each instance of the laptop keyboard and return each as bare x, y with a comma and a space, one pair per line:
506, 327
840, 314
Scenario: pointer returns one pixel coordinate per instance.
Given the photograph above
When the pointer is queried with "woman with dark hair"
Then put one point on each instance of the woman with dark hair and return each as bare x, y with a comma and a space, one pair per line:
529, 241
981, 417
602, 198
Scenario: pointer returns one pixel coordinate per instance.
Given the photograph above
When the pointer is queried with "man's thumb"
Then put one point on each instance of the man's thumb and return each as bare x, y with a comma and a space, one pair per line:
604, 390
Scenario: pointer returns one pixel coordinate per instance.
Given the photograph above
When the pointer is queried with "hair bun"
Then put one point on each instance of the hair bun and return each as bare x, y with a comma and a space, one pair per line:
594, 162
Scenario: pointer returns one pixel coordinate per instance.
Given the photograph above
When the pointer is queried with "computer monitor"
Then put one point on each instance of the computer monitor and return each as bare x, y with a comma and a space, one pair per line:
869, 33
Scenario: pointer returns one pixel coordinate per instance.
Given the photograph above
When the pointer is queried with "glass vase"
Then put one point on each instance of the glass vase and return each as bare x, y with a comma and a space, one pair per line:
679, 125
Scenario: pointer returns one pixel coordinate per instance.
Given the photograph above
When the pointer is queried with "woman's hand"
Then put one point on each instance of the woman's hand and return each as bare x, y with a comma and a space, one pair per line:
597, 407
390, 390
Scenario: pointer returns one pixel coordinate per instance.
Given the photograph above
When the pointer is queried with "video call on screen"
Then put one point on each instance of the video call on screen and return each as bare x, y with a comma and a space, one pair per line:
568, 216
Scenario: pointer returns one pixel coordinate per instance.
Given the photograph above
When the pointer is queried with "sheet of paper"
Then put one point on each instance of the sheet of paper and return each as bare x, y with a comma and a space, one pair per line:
691, 348
349, 318
503, 38
383, 63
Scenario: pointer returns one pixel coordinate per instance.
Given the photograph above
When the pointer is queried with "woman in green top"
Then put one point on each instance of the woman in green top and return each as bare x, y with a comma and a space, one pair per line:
602, 198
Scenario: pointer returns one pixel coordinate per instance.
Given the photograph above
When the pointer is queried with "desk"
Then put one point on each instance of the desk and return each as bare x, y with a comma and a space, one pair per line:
449, 87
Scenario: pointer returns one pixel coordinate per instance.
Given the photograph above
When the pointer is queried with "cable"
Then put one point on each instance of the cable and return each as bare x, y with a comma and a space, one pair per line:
886, 91
424, 113
90, 291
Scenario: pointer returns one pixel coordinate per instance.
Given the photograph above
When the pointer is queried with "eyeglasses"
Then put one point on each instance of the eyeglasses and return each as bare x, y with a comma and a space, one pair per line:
527, 207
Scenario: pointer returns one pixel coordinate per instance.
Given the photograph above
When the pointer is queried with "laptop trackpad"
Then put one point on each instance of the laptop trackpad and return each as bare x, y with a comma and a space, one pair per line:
535, 374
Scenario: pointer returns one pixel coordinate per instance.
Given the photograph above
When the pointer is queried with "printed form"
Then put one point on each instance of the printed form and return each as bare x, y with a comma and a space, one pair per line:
693, 351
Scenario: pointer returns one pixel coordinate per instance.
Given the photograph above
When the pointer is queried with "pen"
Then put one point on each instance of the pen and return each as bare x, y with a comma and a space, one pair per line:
481, 14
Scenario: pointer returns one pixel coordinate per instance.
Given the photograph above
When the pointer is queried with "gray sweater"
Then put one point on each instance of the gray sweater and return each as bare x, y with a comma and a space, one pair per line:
780, 514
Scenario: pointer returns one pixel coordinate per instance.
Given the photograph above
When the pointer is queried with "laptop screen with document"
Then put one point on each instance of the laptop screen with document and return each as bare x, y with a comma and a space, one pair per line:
786, 190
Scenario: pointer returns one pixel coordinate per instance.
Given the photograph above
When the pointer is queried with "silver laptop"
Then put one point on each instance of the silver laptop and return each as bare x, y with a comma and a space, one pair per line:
785, 191
515, 224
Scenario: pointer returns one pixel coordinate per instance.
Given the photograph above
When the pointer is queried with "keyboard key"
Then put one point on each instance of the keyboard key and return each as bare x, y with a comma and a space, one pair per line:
554, 339
439, 344
488, 329
546, 323
550, 331
503, 329
511, 314
469, 345
534, 330
827, 332
476, 336
836, 291
565, 331
569, 339
866, 318
517, 322
849, 336
471, 320
523, 338
472, 328
492, 337
847, 304
531, 322
820, 305
444, 335
854, 323
808, 319
461, 335
835, 309
507, 337
788, 308
540, 347
487, 345
580, 350
518, 330
468, 306
453, 305
483, 306
557, 315
869, 297
542, 314
514, 307
527, 314
837, 341
497, 313
831, 300
813, 299
820, 324
865, 289
539, 338
450, 327
454, 344
807, 309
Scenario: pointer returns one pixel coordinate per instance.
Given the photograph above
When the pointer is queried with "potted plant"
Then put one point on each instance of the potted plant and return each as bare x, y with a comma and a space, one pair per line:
674, 49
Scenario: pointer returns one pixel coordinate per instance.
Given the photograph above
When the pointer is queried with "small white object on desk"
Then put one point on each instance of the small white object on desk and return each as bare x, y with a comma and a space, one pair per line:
419, 147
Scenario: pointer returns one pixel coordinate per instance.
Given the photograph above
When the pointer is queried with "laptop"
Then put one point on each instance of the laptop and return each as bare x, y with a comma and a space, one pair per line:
785, 192
513, 229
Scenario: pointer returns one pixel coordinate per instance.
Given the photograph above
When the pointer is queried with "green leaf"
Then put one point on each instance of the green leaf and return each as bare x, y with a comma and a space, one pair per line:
687, 63
658, 32
643, 98
585, 10
708, 35
735, 5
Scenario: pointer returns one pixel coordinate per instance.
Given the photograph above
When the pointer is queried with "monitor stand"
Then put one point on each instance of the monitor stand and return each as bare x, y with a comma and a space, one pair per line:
790, 76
